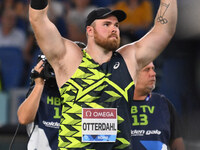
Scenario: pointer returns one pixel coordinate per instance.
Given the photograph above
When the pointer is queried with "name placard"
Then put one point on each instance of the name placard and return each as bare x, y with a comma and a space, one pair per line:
99, 125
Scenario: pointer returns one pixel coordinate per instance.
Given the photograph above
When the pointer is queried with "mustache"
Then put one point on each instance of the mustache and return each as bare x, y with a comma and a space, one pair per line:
113, 35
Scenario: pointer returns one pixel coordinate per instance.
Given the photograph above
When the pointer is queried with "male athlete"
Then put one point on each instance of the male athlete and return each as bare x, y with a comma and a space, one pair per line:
99, 77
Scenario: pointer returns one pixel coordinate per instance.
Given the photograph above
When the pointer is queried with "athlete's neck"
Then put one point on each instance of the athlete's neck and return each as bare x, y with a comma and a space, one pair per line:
99, 55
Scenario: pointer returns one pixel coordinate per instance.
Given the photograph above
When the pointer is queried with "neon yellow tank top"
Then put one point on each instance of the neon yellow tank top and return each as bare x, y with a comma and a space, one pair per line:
96, 86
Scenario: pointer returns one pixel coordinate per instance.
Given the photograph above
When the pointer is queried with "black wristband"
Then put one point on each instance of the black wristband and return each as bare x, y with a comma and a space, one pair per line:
39, 4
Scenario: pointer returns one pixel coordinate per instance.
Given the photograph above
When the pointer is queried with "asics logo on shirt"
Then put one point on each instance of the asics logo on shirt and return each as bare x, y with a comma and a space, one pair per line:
117, 64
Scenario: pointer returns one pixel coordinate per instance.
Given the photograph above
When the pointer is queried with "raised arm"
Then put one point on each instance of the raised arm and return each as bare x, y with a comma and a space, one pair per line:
48, 37
145, 50
63, 55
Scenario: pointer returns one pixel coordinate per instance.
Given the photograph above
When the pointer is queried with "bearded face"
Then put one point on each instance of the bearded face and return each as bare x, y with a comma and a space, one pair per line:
111, 43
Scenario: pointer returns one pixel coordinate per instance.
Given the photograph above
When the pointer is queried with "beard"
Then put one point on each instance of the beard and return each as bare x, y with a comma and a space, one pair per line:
110, 44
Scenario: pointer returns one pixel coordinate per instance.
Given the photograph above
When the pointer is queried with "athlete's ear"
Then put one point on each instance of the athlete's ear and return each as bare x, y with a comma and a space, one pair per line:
90, 30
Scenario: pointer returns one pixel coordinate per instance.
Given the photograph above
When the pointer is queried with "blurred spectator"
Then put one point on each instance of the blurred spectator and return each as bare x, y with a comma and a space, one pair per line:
30, 46
76, 19
9, 34
12, 34
21, 10
1, 85
103, 3
56, 15
139, 18
4, 4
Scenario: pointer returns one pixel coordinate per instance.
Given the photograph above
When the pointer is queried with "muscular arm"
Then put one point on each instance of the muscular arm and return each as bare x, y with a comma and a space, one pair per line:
145, 50
47, 36
63, 55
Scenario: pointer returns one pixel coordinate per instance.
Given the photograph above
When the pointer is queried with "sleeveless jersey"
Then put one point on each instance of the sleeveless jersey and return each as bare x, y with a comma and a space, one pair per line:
96, 86
154, 123
43, 131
